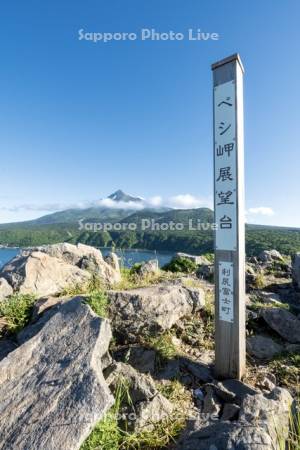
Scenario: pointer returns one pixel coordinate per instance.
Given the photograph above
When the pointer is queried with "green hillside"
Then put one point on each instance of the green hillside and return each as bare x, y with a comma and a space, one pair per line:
286, 240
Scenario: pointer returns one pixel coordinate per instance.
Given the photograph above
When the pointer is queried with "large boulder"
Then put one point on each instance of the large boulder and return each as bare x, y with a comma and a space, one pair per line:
144, 311
52, 390
263, 347
267, 256
197, 259
87, 258
286, 324
6, 346
296, 270
70, 253
40, 274
148, 268
262, 424
50, 269
5, 289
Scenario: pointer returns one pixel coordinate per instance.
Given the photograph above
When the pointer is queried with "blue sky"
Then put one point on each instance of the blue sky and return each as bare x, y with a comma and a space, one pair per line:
82, 119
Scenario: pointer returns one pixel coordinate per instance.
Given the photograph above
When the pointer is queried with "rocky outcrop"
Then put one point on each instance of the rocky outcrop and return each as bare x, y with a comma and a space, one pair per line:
87, 258
40, 274
113, 261
50, 269
200, 259
257, 424
148, 268
144, 311
146, 406
206, 272
263, 347
52, 391
5, 289
6, 346
283, 322
269, 256
296, 270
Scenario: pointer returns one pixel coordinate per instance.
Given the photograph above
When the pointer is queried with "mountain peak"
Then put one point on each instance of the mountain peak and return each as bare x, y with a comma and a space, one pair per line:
120, 196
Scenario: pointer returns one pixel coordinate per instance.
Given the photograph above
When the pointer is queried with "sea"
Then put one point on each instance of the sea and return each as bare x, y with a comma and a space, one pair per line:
128, 257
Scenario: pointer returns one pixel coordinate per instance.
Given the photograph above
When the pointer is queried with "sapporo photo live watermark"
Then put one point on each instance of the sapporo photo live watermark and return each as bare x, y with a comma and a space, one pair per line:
147, 34
147, 225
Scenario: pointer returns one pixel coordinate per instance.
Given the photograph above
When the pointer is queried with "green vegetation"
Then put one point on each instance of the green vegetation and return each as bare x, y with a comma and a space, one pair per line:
15, 313
286, 368
109, 435
164, 346
66, 228
293, 442
132, 280
182, 264
260, 281
98, 301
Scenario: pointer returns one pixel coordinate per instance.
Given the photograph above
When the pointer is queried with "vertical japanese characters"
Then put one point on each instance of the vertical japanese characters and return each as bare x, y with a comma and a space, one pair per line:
226, 312
225, 166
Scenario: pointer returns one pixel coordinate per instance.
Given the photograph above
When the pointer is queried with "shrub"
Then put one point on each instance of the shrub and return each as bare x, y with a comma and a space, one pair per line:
184, 265
15, 312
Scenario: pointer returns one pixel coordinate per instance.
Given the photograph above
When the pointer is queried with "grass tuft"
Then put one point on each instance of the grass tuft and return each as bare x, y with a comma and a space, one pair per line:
15, 313
108, 435
98, 301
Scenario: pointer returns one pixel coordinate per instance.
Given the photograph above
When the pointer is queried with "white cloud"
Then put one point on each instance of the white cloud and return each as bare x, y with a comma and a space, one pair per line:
187, 201
155, 201
261, 211
109, 203
28, 211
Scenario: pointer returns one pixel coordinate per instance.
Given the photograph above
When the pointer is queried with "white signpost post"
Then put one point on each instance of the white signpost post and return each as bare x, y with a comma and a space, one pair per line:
229, 218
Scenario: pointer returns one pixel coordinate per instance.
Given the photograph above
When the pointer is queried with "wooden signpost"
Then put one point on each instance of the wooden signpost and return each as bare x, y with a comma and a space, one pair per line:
229, 218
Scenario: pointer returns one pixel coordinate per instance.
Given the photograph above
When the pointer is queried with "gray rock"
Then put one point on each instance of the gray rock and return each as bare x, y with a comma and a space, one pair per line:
141, 386
49, 269
230, 411
144, 311
205, 272
35, 327
146, 406
262, 421
6, 346
149, 268
269, 297
113, 260
5, 289
263, 347
107, 270
267, 384
148, 413
71, 254
251, 315
200, 259
211, 403
170, 371
233, 390
42, 275
270, 255
201, 371
283, 322
293, 348
142, 359
52, 391
296, 269
43, 304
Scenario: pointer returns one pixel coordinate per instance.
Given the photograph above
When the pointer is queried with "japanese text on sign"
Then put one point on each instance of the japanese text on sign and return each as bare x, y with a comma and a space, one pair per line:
226, 291
225, 166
